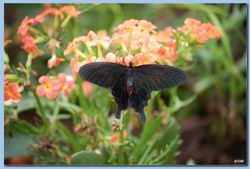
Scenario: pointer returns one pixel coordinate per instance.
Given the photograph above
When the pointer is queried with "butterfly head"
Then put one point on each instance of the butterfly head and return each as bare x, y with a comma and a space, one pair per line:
130, 64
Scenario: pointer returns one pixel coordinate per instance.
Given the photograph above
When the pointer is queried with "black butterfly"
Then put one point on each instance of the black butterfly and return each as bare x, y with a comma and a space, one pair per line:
132, 86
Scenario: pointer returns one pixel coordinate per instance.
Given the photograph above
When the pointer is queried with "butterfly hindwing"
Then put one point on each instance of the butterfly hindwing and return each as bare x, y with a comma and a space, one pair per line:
105, 74
119, 91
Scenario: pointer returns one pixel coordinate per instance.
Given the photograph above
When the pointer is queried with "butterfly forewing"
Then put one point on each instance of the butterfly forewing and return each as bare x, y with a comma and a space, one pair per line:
105, 74
157, 77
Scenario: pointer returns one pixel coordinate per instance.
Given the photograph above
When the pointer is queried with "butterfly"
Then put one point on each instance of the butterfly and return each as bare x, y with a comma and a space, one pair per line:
132, 85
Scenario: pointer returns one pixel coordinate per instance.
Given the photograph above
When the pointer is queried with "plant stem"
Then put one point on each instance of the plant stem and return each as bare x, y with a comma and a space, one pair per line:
82, 99
40, 107
121, 149
28, 67
99, 51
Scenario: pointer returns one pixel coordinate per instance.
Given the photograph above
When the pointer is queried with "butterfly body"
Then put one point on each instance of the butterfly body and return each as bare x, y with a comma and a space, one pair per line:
132, 86
129, 84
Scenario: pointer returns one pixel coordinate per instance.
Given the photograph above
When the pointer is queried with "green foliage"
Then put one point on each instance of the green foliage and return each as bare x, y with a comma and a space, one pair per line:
17, 144
87, 158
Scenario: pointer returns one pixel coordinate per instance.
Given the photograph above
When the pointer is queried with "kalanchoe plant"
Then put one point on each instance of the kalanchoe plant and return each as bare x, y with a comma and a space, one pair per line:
92, 140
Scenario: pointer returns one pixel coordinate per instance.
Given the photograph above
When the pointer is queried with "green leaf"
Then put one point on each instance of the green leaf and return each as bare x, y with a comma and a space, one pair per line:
65, 133
87, 157
171, 131
26, 103
70, 107
163, 157
204, 84
26, 127
148, 131
17, 144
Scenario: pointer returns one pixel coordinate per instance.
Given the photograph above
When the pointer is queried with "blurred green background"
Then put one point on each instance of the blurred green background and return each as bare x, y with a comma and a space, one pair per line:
213, 123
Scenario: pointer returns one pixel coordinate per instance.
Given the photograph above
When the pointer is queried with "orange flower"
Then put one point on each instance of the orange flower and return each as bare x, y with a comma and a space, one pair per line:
23, 28
54, 61
116, 137
12, 92
67, 83
165, 35
74, 67
135, 35
87, 88
167, 54
48, 87
70, 49
192, 22
142, 59
121, 60
110, 57
70, 10
132, 24
99, 38
55, 12
29, 45
146, 26
202, 32
28, 41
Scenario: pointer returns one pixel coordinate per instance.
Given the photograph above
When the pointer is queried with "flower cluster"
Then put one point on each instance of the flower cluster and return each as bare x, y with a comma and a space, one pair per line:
201, 31
136, 41
30, 36
12, 90
52, 86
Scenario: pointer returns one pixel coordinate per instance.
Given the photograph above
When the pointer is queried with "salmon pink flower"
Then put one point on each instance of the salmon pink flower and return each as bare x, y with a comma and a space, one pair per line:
40, 18
87, 88
48, 87
70, 10
75, 66
54, 12
23, 28
165, 35
70, 49
110, 57
99, 38
54, 61
132, 24
115, 138
28, 40
142, 59
135, 35
192, 22
67, 83
146, 26
30, 46
167, 54
12, 92
201, 31
121, 60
